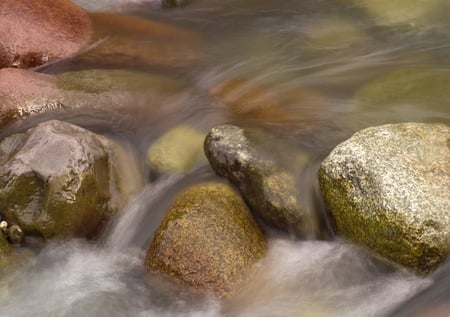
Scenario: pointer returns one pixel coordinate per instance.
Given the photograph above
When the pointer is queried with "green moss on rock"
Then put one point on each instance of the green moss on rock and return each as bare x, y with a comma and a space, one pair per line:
387, 189
5, 248
208, 239
59, 181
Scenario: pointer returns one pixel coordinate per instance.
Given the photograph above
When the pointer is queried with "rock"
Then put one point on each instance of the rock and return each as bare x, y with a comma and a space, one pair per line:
107, 80
58, 179
98, 94
414, 13
406, 93
37, 32
5, 248
334, 34
387, 188
208, 239
15, 234
135, 42
176, 151
249, 161
266, 104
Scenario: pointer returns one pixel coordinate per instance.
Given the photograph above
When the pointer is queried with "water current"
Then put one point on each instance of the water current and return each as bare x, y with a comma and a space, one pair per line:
315, 56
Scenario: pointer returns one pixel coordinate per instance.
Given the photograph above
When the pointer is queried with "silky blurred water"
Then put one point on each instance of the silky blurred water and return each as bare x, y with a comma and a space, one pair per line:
311, 57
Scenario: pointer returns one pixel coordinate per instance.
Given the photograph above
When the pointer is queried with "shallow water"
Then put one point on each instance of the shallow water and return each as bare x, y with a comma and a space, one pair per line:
279, 46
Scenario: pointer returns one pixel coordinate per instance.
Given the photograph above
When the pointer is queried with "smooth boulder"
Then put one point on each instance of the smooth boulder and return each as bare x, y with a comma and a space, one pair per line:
176, 151
265, 171
60, 180
387, 188
208, 239
34, 33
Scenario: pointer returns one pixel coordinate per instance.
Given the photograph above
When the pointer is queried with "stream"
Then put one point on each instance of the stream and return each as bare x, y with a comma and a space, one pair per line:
315, 56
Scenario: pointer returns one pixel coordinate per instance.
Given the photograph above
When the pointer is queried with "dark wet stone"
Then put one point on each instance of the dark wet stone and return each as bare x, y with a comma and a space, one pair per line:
208, 239
58, 179
15, 234
249, 160
387, 188
33, 33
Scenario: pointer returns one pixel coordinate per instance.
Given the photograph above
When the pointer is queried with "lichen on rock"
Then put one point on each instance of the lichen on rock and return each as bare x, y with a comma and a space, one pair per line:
387, 188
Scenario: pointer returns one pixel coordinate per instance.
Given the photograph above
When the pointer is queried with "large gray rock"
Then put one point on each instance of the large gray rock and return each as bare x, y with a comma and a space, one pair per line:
250, 160
388, 188
208, 239
58, 179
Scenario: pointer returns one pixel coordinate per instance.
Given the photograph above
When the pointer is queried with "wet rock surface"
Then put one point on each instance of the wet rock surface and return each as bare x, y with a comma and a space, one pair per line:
406, 93
387, 188
127, 40
101, 93
176, 151
57, 180
33, 33
208, 239
269, 188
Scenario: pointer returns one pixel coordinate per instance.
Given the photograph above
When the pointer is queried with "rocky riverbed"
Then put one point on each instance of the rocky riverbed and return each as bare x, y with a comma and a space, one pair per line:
175, 158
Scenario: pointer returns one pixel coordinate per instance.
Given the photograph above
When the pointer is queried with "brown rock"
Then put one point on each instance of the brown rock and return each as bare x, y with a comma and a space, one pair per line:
33, 33
135, 42
208, 239
250, 101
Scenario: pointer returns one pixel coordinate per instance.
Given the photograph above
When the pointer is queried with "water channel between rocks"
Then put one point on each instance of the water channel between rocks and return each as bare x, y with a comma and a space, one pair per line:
321, 79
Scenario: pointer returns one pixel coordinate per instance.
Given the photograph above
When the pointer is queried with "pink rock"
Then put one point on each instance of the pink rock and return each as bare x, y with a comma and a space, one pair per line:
33, 33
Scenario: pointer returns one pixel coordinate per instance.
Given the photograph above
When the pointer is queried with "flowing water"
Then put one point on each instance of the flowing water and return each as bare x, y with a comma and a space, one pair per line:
314, 56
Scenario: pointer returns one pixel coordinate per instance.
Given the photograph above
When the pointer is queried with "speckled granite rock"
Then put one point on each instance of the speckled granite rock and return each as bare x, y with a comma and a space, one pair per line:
208, 239
33, 33
388, 188
268, 183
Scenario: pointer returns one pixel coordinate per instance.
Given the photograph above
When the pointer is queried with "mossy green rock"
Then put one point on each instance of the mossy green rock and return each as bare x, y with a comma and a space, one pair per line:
5, 248
208, 239
387, 188
249, 160
57, 179
176, 151
406, 94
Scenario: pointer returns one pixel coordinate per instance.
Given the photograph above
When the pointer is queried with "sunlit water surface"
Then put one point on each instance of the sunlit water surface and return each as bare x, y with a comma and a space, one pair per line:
268, 43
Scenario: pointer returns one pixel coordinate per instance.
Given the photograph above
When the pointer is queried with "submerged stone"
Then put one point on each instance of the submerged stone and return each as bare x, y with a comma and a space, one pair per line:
33, 33
104, 80
208, 239
131, 41
176, 151
416, 13
387, 188
334, 34
408, 91
58, 179
247, 101
98, 94
249, 160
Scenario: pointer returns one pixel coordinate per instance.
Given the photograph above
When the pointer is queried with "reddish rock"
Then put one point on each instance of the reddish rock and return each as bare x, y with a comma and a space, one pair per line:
23, 92
136, 42
33, 33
